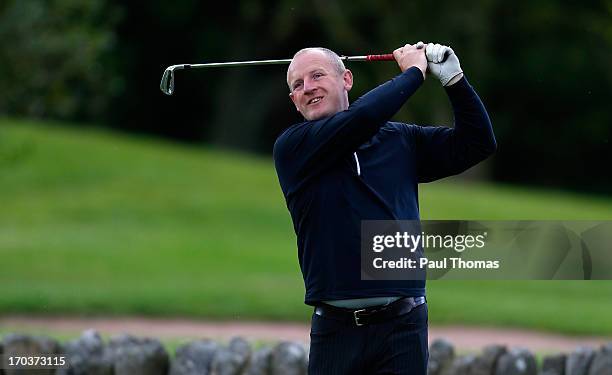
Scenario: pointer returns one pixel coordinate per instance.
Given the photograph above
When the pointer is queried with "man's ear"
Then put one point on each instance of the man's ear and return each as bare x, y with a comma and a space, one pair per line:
293, 100
348, 80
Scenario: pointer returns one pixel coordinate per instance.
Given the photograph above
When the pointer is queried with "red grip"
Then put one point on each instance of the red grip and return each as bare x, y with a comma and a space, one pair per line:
386, 57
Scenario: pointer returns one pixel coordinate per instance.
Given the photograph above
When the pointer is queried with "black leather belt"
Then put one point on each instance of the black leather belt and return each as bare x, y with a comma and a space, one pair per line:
368, 315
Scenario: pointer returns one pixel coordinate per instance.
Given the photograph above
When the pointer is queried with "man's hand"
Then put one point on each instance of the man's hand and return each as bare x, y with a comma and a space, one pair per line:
447, 71
409, 56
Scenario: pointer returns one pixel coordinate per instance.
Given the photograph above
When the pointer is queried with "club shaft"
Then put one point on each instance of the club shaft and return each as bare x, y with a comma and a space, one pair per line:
239, 63
387, 57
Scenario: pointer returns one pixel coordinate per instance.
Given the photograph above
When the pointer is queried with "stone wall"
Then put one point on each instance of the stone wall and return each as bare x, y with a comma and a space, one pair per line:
128, 355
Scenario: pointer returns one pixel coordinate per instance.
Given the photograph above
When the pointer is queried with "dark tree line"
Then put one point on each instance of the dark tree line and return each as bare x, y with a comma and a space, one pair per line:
542, 69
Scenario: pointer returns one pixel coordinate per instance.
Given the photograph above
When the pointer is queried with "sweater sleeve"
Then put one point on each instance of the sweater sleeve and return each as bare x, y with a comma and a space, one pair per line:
443, 151
306, 149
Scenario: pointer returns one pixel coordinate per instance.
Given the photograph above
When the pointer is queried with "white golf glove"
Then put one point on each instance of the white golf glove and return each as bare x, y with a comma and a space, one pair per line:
444, 71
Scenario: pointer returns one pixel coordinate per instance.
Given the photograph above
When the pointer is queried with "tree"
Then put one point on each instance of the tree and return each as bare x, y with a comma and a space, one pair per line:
56, 58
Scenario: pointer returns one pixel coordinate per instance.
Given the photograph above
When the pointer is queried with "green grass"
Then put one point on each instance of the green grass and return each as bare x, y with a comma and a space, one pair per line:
96, 223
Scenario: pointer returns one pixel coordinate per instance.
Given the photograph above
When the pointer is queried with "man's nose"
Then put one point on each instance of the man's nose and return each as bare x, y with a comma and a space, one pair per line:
309, 86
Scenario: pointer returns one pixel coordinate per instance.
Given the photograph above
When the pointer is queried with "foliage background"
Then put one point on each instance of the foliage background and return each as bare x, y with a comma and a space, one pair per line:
117, 199
542, 69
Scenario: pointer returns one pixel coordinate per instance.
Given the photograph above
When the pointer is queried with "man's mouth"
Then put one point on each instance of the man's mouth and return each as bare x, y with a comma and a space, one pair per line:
315, 100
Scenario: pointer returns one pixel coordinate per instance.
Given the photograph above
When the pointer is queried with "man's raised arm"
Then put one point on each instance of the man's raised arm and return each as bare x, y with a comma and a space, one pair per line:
443, 151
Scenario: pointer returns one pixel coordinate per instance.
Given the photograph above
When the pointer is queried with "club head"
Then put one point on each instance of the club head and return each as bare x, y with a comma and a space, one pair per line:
167, 81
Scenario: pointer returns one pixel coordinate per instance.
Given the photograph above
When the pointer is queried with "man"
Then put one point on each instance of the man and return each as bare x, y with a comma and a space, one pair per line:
348, 163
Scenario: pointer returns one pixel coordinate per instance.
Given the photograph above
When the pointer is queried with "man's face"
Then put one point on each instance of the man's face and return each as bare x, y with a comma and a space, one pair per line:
318, 90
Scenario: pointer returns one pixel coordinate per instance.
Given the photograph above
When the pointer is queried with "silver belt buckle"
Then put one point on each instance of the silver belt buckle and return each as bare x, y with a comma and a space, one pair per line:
357, 317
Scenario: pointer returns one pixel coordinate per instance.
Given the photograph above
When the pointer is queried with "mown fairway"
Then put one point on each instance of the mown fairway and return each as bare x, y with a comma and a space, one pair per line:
98, 223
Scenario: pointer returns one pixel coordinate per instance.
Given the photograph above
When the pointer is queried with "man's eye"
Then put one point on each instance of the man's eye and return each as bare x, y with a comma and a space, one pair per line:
317, 75
297, 86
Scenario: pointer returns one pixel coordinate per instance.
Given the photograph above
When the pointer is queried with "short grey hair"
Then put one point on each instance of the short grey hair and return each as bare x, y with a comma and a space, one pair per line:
333, 58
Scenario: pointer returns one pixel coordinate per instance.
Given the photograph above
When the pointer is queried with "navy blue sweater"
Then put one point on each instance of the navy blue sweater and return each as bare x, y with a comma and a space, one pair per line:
357, 165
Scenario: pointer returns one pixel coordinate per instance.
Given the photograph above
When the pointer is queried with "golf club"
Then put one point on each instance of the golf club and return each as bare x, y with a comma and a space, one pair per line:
167, 81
